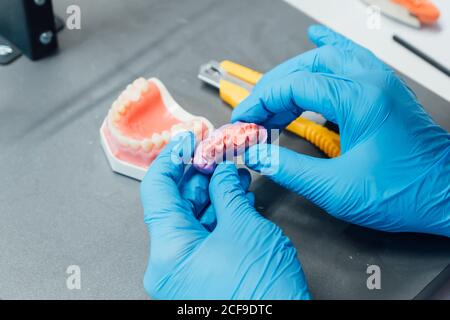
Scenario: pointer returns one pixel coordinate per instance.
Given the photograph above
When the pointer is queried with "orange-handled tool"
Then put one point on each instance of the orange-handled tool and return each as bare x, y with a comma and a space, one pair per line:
414, 13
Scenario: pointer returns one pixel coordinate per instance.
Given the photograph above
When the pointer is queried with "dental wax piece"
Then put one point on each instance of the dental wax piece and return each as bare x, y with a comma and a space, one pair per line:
141, 121
225, 143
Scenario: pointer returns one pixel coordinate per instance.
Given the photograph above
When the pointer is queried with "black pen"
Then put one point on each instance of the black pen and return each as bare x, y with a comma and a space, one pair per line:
421, 54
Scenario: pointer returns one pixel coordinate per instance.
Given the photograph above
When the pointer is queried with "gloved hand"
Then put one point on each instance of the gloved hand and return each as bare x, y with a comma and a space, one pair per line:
244, 256
394, 170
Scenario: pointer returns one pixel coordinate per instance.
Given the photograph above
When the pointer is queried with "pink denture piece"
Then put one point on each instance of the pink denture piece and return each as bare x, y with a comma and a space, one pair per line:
228, 141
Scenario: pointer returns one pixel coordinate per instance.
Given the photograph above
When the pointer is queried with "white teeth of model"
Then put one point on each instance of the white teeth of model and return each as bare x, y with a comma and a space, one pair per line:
122, 109
115, 105
165, 136
116, 116
133, 94
197, 128
123, 99
134, 144
123, 141
113, 116
111, 126
119, 107
188, 126
147, 145
176, 129
141, 84
157, 140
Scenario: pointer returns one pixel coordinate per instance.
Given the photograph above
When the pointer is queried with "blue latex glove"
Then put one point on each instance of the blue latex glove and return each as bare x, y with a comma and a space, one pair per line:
394, 171
244, 256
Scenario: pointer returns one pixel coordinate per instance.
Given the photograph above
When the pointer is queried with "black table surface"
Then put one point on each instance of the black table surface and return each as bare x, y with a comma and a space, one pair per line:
61, 205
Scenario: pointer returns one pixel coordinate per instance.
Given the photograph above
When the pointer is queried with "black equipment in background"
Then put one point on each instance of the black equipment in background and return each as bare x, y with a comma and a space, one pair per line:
29, 25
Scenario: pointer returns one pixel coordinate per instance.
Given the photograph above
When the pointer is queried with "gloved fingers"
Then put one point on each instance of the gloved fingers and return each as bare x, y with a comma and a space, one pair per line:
194, 188
256, 110
326, 59
326, 94
322, 36
245, 178
208, 217
363, 58
304, 175
229, 199
164, 208
251, 198
169, 166
281, 120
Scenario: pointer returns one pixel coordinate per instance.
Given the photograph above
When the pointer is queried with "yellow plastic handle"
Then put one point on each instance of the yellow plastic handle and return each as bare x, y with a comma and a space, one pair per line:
326, 140
241, 72
232, 93
323, 138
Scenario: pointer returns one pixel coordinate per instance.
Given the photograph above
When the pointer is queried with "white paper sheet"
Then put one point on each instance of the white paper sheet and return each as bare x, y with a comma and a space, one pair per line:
353, 19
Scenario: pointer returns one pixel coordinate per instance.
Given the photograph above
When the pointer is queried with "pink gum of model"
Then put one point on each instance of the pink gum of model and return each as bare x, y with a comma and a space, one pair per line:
226, 142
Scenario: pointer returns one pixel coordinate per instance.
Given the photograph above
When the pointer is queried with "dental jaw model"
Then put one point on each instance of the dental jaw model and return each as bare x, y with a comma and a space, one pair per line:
226, 143
141, 122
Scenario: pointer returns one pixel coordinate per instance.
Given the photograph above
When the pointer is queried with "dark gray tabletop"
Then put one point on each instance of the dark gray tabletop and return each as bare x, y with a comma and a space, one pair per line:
61, 205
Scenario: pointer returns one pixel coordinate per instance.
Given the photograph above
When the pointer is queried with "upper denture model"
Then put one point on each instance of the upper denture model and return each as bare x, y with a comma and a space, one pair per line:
141, 122
226, 143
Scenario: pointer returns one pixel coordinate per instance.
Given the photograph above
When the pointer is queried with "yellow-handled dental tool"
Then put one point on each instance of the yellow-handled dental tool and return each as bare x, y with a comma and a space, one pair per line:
235, 82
